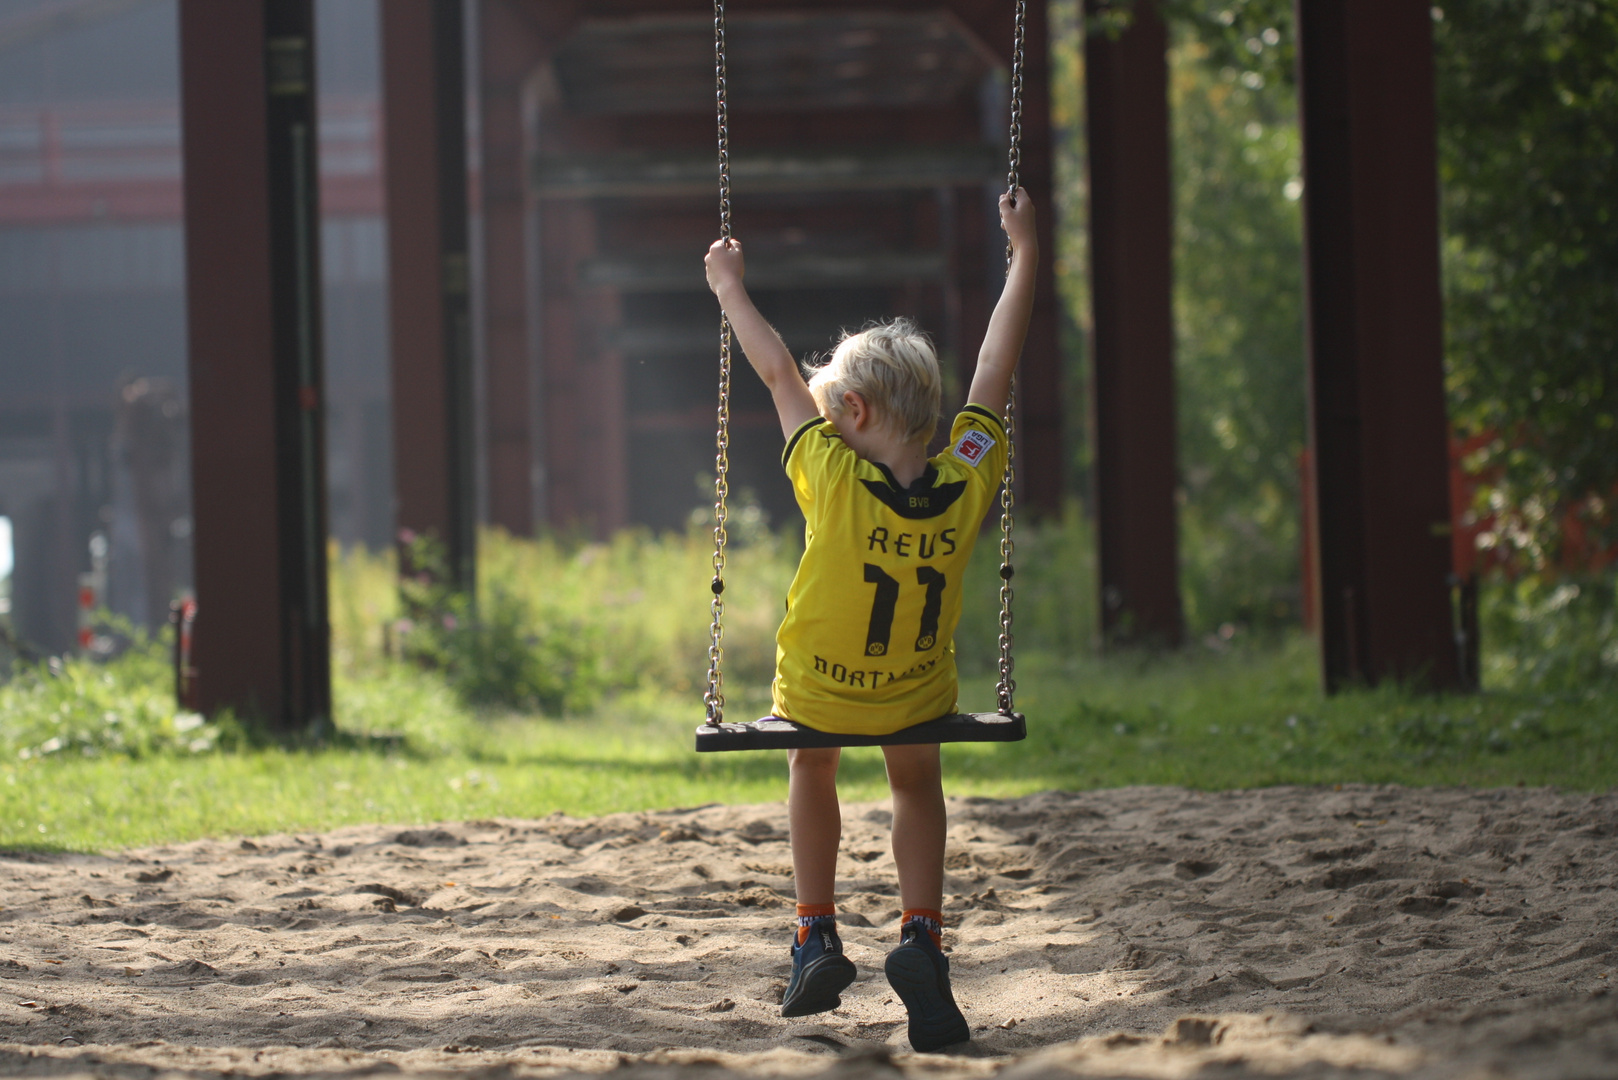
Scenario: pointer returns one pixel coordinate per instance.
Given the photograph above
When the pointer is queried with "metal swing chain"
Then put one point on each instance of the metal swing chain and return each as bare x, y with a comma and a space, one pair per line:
714, 698
1006, 689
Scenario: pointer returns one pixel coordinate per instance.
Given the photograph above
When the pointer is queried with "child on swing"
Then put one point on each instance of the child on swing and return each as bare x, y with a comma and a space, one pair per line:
867, 645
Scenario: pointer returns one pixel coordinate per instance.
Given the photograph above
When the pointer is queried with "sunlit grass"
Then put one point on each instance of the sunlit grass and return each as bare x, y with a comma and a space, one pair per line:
1248, 718
95, 757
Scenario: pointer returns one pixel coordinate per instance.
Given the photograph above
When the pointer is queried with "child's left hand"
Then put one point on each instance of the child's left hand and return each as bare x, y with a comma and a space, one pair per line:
1017, 219
724, 264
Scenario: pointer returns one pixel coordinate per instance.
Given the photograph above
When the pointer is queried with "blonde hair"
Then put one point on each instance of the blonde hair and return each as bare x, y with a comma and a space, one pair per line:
894, 368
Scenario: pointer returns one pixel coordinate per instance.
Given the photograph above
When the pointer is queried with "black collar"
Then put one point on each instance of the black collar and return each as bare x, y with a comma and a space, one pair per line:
926, 498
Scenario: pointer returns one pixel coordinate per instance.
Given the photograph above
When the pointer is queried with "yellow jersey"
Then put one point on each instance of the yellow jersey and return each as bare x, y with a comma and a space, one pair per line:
868, 643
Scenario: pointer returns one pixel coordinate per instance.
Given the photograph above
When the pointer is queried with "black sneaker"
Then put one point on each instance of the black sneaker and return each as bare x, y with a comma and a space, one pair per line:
919, 974
820, 973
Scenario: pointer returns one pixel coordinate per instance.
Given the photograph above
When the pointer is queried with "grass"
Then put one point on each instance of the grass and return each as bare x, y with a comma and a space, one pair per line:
92, 759
1246, 719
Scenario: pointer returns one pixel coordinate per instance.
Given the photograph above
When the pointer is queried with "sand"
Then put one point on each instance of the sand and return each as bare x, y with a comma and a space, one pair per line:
1149, 932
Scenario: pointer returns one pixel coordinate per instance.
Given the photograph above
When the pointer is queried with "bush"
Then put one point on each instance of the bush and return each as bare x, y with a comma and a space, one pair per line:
1054, 593
508, 654
78, 706
559, 623
1554, 636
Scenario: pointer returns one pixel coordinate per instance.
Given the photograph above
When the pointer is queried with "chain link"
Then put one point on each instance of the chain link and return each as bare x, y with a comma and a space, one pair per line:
1006, 688
714, 698
1014, 154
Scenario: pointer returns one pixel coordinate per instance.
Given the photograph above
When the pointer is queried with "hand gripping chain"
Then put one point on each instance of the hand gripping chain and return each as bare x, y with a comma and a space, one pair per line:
714, 698
1006, 689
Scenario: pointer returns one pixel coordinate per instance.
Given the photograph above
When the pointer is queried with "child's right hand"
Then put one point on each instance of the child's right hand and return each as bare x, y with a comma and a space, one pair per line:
1018, 221
724, 264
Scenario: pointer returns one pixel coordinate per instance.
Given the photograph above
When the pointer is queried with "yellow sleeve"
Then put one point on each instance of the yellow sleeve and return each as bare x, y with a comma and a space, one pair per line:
978, 438
817, 461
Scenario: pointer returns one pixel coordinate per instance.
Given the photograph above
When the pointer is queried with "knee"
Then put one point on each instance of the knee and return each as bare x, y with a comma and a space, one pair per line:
817, 764
915, 776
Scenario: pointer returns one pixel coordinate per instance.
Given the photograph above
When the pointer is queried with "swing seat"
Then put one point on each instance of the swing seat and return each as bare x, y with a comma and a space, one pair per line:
773, 733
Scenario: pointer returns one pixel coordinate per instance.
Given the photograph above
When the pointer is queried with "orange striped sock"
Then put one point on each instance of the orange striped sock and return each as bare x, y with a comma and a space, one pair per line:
930, 921
810, 914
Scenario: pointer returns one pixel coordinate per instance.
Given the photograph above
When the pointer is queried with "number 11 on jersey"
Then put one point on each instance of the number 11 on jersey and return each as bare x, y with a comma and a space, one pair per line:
879, 631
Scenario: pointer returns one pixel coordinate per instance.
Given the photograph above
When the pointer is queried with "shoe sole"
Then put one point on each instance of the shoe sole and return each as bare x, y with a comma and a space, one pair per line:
935, 1020
822, 986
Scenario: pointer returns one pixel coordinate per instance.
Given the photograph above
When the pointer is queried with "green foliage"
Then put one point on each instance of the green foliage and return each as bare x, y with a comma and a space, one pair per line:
1528, 137
1238, 298
561, 624
1528, 140
77, 707
1557, 636
1252, 38
1054, 595
512, 649
1070, 196
1240, 367
404, 708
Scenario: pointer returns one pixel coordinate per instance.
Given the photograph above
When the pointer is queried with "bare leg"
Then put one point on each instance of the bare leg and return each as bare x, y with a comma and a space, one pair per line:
816, 821
916, 779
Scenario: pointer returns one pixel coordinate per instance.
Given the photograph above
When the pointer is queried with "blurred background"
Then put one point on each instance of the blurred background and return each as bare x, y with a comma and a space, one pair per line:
94, 455
94, 451
510, 612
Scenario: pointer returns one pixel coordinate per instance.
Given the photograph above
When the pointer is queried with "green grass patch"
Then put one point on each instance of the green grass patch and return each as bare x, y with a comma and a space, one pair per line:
97, 756
413, 753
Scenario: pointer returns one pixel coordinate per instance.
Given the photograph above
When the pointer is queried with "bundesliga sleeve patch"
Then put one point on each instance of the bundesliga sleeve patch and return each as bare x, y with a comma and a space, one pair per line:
972, 446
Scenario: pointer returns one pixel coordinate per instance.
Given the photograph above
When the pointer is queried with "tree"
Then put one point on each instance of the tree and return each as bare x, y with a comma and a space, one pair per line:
1528, 140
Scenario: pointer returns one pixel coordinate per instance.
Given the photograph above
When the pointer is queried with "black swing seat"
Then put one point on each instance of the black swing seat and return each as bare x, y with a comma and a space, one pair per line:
773, 733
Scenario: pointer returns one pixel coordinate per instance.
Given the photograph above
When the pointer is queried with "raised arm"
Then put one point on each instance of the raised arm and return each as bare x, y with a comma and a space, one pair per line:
1008, 326
758, 339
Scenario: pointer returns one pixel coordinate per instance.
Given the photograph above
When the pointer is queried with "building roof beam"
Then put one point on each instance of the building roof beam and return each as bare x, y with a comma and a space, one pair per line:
637, 174
766, 270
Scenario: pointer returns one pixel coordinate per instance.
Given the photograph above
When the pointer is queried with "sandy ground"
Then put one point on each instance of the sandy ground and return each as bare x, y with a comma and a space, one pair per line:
1140, 932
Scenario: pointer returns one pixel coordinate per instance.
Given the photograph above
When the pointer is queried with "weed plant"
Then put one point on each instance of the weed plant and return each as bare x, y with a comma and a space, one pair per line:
75, 707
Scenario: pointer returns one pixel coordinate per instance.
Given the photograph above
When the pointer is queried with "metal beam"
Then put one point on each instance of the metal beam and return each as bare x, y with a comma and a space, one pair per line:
424, 99
658, 60
836, 169
1041, 451
770, 270
1132, 364
585, 441
253, 308
1375, 335
638, 341
60, 18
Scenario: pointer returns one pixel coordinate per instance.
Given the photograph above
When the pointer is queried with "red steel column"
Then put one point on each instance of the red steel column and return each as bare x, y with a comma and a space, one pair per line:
1042, 461
586, 482
424, 106
509, 50
253, 318
1375, 333
1132, 365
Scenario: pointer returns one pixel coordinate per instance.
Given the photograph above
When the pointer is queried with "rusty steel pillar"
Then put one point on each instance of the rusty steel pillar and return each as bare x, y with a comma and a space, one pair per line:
424, 109
1375, 335
510, 48
252, 221
1132, 365
585, 437
1042, 466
